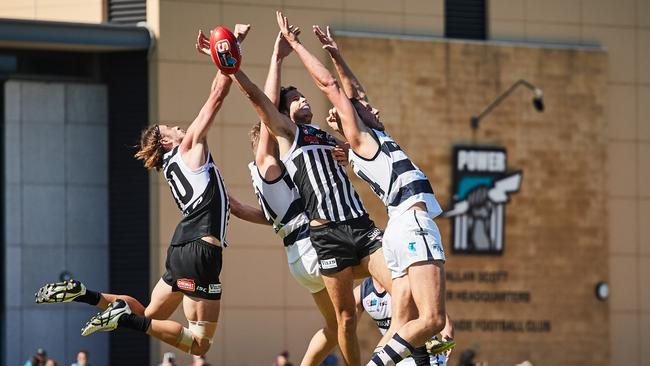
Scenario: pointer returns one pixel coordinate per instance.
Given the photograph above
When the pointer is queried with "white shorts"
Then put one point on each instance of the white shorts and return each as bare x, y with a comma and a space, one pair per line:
305, 271
409, 238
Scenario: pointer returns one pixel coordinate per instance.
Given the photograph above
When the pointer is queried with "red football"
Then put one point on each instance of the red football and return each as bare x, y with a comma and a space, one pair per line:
225, 50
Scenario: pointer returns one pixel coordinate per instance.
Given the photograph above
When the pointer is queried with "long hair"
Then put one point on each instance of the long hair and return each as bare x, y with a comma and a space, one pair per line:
150, 150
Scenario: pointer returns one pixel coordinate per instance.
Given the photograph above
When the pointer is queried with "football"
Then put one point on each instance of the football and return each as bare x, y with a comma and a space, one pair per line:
225, 50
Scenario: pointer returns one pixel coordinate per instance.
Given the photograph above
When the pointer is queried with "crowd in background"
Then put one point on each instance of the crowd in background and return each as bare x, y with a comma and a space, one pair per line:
40, 359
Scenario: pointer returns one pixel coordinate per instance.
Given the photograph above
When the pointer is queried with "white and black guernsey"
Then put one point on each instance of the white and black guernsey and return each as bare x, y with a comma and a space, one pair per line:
282, 206
394, 178
324, 185
201, 195
376, 304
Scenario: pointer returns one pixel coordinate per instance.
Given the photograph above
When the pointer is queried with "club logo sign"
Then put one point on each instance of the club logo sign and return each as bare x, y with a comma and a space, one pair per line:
481, 188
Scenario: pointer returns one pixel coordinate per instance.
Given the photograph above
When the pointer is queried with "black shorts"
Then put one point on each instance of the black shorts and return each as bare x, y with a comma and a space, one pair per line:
193, 269
343, 244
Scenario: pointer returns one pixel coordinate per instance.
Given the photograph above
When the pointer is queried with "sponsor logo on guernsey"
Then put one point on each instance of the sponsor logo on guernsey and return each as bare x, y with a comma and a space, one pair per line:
328, 263
214, 288
186, 284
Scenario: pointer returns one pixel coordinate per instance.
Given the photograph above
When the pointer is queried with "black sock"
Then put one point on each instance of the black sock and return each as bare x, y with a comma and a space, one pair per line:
135, 322
421, 356
90, 298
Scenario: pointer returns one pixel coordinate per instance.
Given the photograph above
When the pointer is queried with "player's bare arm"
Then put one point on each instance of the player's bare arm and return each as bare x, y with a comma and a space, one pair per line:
279, 124
267, 152
193, 147
247, 212
357, 134
351, 85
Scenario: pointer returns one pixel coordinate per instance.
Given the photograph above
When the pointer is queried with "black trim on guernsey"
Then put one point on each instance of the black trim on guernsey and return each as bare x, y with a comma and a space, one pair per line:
296, 235
294, 210
377, 360
267, 207
282, 174
411, 189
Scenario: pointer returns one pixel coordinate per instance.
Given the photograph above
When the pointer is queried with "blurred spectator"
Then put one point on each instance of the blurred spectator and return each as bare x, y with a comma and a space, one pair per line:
282, 359
38, 359
467, 359
330, 360
169, 359
197, 361
51, 362
82, 359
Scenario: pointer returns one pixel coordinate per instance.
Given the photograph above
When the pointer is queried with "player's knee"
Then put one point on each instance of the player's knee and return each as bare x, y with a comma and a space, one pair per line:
197, 339
347, 321
433, 322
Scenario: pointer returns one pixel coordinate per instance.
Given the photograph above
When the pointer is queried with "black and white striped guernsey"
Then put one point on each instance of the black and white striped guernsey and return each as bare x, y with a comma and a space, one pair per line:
324, 185
394, 177
282, 206
201, 195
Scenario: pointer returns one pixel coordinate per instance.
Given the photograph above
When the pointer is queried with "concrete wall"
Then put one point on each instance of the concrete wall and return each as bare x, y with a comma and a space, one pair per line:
56, 213
84, 11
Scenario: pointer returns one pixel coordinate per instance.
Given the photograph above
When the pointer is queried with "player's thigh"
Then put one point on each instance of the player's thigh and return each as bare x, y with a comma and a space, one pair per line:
199, 309
402, 304
378, 269
427, 282
326, 308
339, 287
163, 302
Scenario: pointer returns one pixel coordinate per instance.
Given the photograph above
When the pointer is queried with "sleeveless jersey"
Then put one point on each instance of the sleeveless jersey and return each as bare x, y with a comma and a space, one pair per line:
280, 201
324, 186
200, 195
376, 304
394, 178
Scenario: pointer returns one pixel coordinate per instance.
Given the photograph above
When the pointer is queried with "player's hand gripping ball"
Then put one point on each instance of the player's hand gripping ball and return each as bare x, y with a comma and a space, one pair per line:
225, 50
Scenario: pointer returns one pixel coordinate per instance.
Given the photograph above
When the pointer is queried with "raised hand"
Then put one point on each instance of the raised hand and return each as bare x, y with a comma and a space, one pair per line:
282, 48
289, 32
241, 31
326, 39
202, 44
340, 154
333, 120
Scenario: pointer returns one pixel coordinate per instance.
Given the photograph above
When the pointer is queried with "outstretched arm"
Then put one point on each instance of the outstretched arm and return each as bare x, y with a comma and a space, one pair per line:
280, 125
266, 155
247, 212
353, 128
351, 85
198, 130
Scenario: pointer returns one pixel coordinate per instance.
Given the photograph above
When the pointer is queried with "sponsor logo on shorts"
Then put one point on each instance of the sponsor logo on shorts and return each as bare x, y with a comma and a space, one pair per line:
374, 234
412, 247
186, 284
328, 263
214, 288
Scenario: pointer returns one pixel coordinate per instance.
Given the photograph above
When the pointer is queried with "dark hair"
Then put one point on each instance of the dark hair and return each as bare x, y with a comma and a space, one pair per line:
282, 106
150, 151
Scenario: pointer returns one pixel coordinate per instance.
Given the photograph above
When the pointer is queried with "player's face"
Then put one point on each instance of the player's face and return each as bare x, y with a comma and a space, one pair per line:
173, 134
368, 114
299, 108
